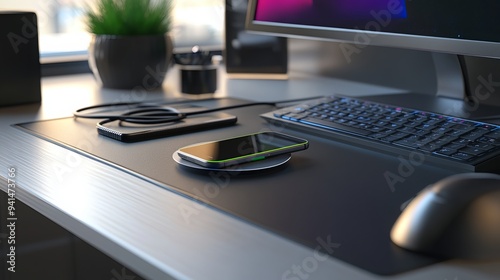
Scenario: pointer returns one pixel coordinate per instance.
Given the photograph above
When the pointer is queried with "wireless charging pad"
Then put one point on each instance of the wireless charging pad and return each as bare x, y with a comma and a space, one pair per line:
268, 163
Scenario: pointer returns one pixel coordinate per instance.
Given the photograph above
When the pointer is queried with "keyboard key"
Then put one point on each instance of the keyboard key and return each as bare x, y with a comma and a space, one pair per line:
430, 147
392, 126
462, 156
421, 132
406, 143
455, 146
455, 132
462, 127
462, 141
427, 127
434, 121
490, 141
472, 151
482, 146
446, 151
442, 130
407, 129
374, 128
494, 135
444, 140
395, 136
377, 135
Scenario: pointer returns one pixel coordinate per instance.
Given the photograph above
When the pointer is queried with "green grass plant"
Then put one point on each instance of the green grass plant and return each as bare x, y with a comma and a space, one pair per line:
129, 17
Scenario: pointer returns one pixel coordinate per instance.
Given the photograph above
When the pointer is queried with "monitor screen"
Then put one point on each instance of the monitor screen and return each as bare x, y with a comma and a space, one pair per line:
459, 27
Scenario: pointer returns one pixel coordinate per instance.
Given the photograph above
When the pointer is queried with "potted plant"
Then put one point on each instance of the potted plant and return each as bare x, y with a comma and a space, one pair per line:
130, 46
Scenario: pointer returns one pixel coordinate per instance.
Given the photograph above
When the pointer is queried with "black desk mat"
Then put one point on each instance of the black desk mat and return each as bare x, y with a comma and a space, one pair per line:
332, 193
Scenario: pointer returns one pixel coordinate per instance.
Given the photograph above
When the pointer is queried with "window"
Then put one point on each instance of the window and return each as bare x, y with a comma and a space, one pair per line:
62, 34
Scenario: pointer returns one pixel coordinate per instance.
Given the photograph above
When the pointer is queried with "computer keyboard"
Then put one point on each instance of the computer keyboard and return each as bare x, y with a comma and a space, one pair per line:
447, 141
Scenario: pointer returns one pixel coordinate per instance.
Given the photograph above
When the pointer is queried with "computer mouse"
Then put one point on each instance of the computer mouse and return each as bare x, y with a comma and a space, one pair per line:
456, 217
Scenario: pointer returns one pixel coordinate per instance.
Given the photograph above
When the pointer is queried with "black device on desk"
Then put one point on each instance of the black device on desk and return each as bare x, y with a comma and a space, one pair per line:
242, 149
247, 53
19, 58
123, 132
454, 217
449, 141
140, 121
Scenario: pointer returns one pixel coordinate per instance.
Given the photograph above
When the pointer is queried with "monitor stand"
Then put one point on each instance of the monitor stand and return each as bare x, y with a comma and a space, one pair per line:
450, 76
453, 79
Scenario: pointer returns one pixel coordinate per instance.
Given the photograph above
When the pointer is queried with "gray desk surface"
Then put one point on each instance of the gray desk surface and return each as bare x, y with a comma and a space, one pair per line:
146, 227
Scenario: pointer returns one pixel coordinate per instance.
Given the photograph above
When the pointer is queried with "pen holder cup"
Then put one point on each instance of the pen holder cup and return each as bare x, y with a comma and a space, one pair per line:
198, 79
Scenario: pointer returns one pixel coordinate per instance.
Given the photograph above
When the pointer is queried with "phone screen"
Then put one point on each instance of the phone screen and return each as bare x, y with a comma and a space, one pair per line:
242, 146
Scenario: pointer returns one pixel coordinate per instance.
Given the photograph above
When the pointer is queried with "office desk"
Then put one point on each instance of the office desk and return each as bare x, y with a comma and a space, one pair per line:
141, 225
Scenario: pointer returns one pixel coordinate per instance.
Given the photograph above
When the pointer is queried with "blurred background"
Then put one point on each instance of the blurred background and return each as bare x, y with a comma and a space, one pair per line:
62, 33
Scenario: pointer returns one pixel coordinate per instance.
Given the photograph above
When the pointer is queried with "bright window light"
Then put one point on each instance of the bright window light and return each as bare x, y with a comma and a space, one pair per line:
62, 32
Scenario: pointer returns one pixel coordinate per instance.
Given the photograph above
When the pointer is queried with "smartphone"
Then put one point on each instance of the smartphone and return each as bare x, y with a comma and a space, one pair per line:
238, 150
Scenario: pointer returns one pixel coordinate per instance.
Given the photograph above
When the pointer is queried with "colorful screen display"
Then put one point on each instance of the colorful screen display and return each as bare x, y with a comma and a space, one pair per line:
445, 18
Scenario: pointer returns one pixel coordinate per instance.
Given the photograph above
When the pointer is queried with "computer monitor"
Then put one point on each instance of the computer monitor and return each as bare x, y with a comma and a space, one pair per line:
462, 28
459, 27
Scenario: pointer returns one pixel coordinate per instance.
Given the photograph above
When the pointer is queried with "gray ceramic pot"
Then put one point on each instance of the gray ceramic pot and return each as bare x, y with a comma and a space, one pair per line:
128, 62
